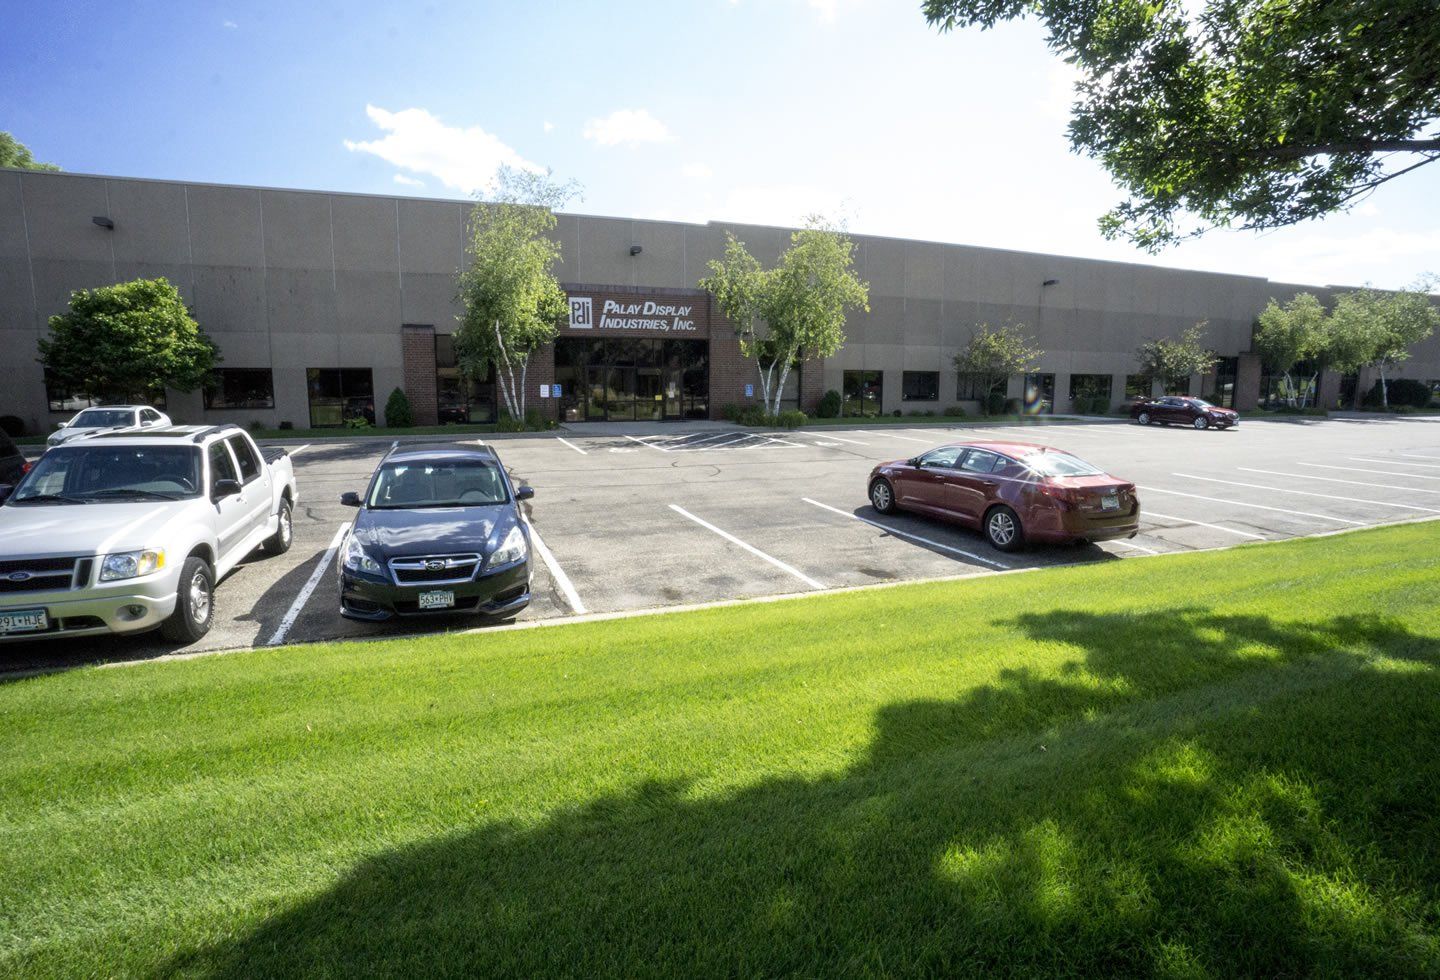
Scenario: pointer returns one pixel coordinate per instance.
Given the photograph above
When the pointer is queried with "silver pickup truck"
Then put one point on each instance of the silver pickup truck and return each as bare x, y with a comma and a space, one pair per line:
128, 531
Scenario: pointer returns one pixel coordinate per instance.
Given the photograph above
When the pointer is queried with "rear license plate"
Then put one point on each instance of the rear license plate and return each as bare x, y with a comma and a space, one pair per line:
1110, 502
437, 600
23, 621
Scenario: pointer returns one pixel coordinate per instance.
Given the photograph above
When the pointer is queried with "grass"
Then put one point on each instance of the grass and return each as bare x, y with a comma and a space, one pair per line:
912, 420
1204, 764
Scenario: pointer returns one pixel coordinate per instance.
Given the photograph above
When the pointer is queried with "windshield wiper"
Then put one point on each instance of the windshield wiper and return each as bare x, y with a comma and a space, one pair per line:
48, 498
133, 492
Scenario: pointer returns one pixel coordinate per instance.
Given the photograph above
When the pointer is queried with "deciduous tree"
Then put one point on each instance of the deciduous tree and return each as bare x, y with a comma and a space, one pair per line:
1379, 328
513, 304
14, 153
1287, 334
1252, 113
120, 341
996, 353
1174, 360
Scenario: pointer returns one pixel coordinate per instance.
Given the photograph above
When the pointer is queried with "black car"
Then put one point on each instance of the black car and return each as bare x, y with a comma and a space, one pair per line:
12, 462
438, 531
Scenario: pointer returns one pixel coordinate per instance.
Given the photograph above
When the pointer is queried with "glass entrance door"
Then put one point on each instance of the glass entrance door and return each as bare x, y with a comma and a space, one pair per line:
632, 379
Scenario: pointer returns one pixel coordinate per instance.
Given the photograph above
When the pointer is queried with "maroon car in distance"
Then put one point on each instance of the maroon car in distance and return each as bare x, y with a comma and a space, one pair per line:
1183, 410
1013, 492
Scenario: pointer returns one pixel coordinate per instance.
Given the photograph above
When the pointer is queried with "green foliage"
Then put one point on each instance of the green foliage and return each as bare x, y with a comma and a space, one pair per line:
997, 404
755, 416
794, 312
15, 154
996, 353
1090, 405
512, 302
1293, 332
954, 412
127, 338
1405, 392
358, 422
1174, 360
397, 411
1256, 113
829, 407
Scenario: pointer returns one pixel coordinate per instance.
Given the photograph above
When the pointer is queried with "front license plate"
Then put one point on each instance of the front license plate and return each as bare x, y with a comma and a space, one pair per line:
23, 621
1110, 502
437, 600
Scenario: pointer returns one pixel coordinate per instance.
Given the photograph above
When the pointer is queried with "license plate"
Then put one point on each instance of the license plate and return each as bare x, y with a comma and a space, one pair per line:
1110, 502
437, 600
23, 621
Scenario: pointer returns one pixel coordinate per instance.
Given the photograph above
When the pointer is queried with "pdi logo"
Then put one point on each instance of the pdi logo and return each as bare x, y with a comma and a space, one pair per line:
582, 313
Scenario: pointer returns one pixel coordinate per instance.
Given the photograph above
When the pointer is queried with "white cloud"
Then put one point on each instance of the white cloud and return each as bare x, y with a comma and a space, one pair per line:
1351, 260
548, 126
626, 126
786, 205
229, 25
697, 171
466, 159
408, 181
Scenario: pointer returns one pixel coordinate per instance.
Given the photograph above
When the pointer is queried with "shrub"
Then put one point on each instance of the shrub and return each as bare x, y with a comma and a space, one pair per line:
731, 412
791, 419
397, 411
256, 425
286, 425
357, 422
956, 411
1012, 406
995, 403
829, 407
896, 413
12, 425
508, 423
1403, 392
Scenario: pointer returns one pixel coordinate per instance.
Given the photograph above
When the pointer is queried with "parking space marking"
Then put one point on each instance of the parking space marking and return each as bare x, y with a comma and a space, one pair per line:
906, 534
841, 439
1389, 462
298, 450
1241, 503
1309, 493
572, 445
1146, 511
926, 442
1135, 547
1415, 456
567, 588
711, 438
750, 548
1331, 479
642, 442
278, 637
782, 442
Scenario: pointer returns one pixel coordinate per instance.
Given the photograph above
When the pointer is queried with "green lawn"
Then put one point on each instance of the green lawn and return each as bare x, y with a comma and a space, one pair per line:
942, 420
1205, 764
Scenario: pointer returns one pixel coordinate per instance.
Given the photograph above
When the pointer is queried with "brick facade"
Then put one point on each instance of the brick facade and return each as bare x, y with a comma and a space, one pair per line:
417, 350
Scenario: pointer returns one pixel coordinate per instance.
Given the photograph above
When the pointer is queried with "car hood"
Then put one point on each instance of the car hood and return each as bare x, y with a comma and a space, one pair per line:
386, 534
46, 530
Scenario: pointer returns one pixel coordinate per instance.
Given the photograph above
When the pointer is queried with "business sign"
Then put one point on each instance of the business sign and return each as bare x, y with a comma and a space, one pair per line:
663, 316
582, 313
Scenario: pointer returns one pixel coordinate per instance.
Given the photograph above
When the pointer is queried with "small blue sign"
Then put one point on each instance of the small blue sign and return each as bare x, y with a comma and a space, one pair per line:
554, 391
749, 391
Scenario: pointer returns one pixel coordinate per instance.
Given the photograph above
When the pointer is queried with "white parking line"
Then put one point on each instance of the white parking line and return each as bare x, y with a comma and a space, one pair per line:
695, 442
750, 548
926, 442
298, 449
278, 637
906, 534
572, 446
1241, 503
839, 438
1394, 462
641, 440
782, 442
567, 588
1415, 456
1134, 547
1331, 479
1307, 493
1147, 512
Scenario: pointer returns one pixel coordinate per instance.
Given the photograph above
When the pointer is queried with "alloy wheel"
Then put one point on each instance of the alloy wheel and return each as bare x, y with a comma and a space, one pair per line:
1144, 418
199, 597
1002, 528
880, 496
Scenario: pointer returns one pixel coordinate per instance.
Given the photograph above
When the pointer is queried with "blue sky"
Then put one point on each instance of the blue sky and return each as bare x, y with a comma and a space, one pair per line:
751, 110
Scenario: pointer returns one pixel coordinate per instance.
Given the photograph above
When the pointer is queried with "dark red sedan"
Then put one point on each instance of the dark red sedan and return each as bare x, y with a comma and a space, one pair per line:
1012, 492
1181, 410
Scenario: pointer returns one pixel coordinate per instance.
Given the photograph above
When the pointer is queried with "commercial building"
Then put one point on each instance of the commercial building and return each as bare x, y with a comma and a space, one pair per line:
323, 303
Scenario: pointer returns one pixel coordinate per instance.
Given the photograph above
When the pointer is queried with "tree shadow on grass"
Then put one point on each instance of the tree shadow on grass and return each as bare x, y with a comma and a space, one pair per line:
1194, 794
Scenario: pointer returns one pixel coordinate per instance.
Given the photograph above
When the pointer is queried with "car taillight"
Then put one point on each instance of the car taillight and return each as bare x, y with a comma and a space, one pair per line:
1061, 495
25, 467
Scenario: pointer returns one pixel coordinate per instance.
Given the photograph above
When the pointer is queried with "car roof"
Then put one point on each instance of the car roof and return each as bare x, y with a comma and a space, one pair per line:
439, 452
161, 433
114, 408
1008, 447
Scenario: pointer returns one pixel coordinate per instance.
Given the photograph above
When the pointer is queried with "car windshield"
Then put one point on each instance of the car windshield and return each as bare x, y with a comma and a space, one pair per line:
100, 418
1060, 464
87, 474
409, 485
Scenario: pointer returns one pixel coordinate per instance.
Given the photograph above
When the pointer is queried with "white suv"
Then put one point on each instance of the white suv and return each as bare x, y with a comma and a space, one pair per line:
110, 417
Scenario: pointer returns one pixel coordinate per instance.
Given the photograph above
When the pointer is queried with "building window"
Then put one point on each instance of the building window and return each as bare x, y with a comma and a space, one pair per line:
1224, 389
1039, 394
240, 388
1295, 390
340, 394
863, 392
1090, 393
457, 398
1434, 385
64, 399
920, 386
1349, 383
1137, 386
970, 387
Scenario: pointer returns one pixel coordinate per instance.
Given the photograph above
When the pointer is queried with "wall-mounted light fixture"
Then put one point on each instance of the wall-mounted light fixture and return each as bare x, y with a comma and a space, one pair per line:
1050, 282
104, 222
636, 250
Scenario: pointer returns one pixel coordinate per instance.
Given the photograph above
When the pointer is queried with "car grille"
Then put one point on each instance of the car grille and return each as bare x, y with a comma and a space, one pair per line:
44, 574
434, 569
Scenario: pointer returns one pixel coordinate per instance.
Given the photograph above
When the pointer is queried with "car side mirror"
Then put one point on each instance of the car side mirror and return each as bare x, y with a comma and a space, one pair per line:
224, 488
350, 498
5, 491
525, 493
913, 461
62, 425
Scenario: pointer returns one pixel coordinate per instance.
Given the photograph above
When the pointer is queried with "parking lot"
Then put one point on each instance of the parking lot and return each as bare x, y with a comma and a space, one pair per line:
659, 516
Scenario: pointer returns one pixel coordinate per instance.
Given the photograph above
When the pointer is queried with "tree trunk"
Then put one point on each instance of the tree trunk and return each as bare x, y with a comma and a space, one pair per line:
1384, 389
524, 373
780, 387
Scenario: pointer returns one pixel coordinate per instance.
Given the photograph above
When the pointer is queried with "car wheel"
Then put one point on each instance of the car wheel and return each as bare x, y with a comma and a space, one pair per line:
1202, 423
279, 542
882, 496
1002, 529
1143, 418
194, 603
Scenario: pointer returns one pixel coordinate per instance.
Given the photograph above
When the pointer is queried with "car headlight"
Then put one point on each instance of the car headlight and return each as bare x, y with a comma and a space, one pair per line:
131, 564
357, 561
512, 550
